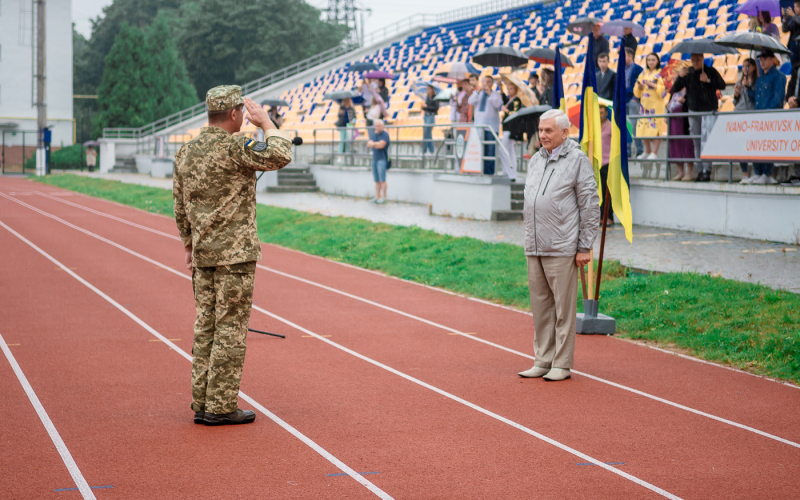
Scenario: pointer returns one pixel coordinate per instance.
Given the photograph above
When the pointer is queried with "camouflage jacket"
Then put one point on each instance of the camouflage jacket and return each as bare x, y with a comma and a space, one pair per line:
215, 196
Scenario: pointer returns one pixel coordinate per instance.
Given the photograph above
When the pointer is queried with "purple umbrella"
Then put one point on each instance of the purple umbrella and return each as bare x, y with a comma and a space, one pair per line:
374, 75
753, 7
616, 28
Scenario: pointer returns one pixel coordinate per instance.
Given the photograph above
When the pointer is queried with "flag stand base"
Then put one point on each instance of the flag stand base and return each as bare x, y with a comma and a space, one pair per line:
590, 322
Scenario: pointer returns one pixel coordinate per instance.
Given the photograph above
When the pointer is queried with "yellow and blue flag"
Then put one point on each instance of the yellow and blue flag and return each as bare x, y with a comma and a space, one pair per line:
559, 101
619, 182
591, 136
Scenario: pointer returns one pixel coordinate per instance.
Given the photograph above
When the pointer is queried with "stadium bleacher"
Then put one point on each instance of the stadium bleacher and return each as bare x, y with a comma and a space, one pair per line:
418, 57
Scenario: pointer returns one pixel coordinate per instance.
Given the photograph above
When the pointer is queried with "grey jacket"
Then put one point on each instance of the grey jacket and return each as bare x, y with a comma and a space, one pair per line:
562, 208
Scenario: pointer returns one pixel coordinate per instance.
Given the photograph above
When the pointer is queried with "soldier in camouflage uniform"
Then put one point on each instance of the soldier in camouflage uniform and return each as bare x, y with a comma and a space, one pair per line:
215, 209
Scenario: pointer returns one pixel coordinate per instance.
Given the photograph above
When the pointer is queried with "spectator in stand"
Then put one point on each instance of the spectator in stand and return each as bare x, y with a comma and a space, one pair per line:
632, 72
366, 96
743, 100
462, 102
512, 132
487, 103
346, 119
628, 40
650, 90
383, 91
790, 22
546, 98
535, 84
767, 26
276, 116
606, 79
600, 44
679, 125
379, 144
430, 109
769, 94
605, 132
376, 111
701, 83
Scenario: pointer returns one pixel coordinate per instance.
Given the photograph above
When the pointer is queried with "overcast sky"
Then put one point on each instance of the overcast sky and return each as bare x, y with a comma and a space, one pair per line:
383, 12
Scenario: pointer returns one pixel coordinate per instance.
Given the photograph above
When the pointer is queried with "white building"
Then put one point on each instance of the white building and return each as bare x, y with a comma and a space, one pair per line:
17, 64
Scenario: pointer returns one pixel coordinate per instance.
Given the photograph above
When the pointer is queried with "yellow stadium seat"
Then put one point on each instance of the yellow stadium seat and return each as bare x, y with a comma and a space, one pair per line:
731, 75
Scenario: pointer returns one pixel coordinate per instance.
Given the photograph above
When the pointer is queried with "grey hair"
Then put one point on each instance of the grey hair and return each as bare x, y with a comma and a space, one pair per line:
562, 120
375, 122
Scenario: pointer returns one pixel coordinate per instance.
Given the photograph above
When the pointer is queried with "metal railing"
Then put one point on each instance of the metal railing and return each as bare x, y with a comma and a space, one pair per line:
665, 140
404, 153
416, 21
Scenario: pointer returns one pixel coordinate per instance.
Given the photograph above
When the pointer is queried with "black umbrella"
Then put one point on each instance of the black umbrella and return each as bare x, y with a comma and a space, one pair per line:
750, 40
701, 46
274, 102
500, 57
340, 94
530, 113
583, 25
547, 56
363, 66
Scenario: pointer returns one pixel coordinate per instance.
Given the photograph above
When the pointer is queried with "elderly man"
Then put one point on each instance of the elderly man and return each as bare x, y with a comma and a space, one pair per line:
561, 213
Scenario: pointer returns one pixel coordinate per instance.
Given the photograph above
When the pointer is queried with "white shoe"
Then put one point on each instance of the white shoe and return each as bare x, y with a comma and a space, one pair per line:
381, 201
770, 180
652, 156
747, 180
759, 179
557, 374
535, 372
373, 200
642, 156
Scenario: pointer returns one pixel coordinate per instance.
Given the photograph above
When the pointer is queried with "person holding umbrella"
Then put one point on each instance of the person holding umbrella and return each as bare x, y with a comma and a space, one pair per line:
629, 40
430, 109
346, 119
769, 94
744, 100
600, 44
519, 96
790, 22
701, 83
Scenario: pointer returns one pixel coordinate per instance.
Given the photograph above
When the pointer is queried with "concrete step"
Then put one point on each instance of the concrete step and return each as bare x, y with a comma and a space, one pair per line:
124, 169
518, 195
295, 177
517, 187
293, 170
501, 215
297, 182
292, 189
517, 205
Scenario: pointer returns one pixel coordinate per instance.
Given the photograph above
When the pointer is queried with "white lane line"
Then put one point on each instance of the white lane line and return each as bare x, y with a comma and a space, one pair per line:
286, 426
339, 464
431, 323
66, 456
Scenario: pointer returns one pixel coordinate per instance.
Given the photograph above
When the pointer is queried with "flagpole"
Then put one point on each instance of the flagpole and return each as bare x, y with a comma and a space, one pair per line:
602, 244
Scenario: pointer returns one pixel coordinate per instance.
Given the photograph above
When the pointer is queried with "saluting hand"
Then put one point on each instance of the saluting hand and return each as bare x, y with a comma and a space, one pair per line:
258, 116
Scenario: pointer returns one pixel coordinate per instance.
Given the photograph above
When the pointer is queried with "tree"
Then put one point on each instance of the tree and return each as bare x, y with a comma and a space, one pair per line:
125, 96
82, 109
230, 42
171, 87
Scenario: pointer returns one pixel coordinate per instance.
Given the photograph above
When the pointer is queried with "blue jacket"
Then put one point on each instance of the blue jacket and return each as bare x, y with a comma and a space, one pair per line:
637, 70
770, 90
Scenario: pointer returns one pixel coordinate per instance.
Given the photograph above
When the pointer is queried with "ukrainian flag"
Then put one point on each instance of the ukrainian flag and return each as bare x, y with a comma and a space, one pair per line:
618, 180
591, 138
558, 83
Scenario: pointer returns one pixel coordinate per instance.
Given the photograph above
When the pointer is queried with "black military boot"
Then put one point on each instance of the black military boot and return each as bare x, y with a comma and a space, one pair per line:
233, 418
198, 417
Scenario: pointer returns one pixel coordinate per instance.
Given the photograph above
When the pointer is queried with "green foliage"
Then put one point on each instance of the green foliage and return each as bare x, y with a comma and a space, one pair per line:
71, 157
125, 97
741, 324
226, 42
83, 110
171, 86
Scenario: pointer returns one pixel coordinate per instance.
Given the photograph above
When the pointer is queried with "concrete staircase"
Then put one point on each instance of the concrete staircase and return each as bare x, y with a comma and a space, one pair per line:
517, 202
294, 180
124, 166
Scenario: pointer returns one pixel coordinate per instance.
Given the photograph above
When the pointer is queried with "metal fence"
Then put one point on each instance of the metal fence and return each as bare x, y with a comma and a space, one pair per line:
17, 147
665, 159
419, 21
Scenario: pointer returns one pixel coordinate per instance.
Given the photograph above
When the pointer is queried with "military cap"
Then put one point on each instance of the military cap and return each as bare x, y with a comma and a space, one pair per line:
224, 97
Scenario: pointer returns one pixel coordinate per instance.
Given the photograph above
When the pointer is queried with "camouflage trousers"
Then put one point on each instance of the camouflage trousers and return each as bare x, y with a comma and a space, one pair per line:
223, 297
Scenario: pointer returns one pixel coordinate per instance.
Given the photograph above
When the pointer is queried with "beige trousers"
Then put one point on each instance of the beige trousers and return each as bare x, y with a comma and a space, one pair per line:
554, 301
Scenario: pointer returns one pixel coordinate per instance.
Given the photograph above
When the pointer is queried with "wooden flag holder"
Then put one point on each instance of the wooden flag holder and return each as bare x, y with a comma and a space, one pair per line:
590, 321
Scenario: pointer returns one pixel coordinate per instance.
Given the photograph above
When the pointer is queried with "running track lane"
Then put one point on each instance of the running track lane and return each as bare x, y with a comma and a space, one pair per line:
114, 396
511, 473
736, 396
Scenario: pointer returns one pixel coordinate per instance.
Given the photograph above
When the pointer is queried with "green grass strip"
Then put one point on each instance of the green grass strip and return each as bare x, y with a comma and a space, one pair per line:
744, 325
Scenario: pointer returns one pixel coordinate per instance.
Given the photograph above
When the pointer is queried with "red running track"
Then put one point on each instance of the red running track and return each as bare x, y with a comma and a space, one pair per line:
422, 443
